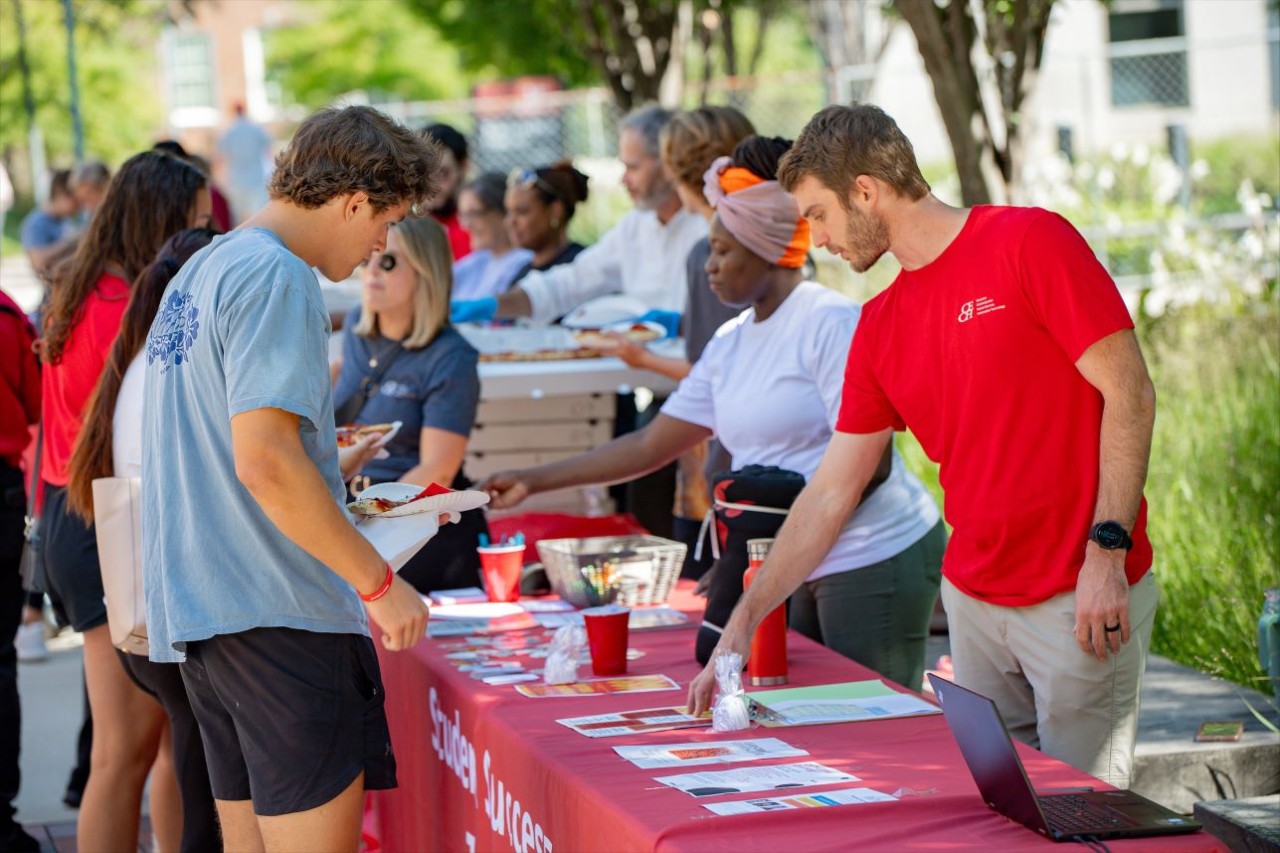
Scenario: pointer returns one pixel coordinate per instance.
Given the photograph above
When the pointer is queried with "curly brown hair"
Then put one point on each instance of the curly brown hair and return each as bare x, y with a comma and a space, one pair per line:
342, 150
840, 143
691, 140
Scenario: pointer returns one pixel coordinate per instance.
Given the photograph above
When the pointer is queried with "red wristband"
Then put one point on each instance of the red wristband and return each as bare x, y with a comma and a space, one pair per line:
382, 590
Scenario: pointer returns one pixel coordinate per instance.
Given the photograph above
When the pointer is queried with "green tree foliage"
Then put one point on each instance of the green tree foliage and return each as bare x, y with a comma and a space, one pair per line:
514, 37
115, 56
380, 48
627, 45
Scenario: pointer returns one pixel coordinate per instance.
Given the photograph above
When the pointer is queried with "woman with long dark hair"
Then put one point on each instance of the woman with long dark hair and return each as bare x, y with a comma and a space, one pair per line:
153, 196
111, 445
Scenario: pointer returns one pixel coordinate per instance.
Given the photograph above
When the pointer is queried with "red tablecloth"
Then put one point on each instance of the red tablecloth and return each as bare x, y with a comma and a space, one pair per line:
484, 768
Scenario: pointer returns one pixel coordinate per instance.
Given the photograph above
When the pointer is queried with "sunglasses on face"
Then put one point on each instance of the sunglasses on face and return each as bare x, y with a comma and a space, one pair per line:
385, 262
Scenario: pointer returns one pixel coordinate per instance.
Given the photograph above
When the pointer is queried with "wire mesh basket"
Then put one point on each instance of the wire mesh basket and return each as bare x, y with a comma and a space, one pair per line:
630, 570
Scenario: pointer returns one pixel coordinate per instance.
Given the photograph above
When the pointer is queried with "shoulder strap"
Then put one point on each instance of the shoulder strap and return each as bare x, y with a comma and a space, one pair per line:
350, 408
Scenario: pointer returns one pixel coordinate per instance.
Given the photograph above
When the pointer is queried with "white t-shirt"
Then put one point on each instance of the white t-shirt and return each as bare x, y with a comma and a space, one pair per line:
639, 257
770, 392
126, 421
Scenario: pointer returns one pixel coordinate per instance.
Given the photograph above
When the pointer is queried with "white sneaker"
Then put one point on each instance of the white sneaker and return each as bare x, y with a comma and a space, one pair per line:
30, 643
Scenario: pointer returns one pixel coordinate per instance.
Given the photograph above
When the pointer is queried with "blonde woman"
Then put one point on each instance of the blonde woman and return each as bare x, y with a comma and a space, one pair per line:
403, 361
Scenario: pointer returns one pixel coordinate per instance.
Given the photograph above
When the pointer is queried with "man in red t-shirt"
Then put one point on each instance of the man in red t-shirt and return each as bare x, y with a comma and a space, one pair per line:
1006, 349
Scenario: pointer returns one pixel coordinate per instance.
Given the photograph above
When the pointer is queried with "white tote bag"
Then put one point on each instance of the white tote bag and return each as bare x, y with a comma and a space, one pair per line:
117, 513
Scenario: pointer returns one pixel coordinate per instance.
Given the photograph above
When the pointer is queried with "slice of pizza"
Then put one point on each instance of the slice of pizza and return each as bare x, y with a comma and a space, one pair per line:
640, 333
352, 433
377, 506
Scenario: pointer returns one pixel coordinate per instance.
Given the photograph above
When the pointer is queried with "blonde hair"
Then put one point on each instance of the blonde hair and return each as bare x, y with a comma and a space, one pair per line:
425, 247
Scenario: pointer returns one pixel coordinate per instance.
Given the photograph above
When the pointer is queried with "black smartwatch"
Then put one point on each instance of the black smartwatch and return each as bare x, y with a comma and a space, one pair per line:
1110, 536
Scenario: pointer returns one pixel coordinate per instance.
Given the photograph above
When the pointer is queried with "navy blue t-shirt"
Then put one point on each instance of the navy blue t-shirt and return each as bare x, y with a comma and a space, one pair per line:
437, 386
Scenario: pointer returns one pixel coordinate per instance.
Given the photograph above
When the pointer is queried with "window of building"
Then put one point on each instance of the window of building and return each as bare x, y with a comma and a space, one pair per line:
1148, 53
190, 68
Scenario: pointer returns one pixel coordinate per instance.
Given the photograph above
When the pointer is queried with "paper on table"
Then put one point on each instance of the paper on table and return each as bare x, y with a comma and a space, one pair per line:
841, 797
398, 539
636, 722
711, 752
744, 780
600, 686
835, 703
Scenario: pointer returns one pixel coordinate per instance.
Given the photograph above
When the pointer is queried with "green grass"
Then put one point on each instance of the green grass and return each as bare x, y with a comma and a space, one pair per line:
1214, 483
1213, 486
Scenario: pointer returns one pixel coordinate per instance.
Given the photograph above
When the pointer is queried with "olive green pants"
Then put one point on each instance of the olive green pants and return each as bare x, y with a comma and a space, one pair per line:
877, 615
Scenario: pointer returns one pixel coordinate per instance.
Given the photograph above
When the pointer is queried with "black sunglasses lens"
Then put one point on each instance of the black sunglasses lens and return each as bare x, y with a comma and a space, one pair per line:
387, 263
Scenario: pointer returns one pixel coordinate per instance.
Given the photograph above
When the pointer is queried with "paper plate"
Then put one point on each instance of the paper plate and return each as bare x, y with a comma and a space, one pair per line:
453, 501
604, 311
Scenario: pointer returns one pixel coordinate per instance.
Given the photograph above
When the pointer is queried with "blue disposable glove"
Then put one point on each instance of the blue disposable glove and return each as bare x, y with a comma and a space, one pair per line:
669, 320
473, 310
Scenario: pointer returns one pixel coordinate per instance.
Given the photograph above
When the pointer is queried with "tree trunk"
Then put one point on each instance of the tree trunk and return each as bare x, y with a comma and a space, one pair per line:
955, 87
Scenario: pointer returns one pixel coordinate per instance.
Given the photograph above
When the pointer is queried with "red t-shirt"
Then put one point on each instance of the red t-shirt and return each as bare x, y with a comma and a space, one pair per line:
976, 354
459, 239
69, 383
19, 382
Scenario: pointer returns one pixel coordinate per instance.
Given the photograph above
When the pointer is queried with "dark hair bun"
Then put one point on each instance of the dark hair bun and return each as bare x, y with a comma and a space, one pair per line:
760, 155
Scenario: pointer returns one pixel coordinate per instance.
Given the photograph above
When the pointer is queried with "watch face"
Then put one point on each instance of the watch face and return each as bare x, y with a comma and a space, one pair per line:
1109, 536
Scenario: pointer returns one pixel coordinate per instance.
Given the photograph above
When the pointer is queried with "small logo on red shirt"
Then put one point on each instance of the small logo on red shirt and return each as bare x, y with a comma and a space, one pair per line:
976, 308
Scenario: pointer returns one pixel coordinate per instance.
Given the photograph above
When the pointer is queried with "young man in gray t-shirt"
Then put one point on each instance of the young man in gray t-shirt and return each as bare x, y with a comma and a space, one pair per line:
256, 581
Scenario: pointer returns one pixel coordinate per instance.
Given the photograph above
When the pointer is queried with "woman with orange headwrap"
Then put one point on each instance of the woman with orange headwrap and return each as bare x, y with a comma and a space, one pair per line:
768, 386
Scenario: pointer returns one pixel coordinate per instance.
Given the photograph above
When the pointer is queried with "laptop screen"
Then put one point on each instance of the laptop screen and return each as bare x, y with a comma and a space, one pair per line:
984, 742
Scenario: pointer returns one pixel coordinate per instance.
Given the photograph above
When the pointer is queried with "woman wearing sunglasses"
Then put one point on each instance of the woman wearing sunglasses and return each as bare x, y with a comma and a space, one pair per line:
540, 205
402, 361
494, 260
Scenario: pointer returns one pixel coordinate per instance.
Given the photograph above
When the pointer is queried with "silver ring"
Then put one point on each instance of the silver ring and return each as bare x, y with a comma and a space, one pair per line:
1111, 629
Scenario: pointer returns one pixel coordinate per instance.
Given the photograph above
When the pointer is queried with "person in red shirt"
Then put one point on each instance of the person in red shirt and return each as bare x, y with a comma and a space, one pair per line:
19, 410
1006, 349
453, 171
154, 196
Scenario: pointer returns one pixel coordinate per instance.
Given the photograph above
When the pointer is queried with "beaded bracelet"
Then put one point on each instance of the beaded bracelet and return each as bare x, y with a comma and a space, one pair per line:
382, 590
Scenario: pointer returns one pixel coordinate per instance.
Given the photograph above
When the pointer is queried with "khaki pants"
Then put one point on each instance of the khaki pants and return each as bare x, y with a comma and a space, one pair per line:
1053, 696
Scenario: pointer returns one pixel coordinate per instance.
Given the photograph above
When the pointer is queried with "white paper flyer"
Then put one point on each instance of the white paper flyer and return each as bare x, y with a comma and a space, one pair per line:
710, 752
841, 797
746, 780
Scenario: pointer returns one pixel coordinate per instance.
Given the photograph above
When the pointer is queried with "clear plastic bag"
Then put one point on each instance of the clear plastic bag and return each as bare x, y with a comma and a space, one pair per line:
567, 646
730, 712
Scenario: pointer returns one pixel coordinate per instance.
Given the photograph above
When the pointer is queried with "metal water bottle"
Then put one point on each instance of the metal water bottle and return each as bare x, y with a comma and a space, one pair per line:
767, 665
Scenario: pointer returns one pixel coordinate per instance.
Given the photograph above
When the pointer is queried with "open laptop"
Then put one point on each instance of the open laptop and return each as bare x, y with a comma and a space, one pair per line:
984, 741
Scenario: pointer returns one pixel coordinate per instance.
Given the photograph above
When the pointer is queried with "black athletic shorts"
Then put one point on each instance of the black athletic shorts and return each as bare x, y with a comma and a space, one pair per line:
72, 574
289, 718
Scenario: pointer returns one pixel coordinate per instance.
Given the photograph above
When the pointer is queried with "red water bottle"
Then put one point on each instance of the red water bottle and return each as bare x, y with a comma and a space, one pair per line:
767, 665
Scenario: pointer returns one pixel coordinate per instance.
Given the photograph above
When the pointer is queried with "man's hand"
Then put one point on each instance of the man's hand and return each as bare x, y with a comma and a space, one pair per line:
506, 489
1102, 602
702, 689
352, 459
401, 614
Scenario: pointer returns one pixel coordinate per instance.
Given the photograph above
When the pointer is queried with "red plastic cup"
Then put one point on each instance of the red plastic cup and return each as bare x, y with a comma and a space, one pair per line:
607, 638
501, 566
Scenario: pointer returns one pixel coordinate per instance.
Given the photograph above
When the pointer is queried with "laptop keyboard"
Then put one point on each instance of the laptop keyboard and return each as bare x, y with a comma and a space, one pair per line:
1070, 814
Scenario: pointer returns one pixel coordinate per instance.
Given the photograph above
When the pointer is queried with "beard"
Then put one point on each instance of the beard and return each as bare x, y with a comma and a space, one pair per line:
866, 240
